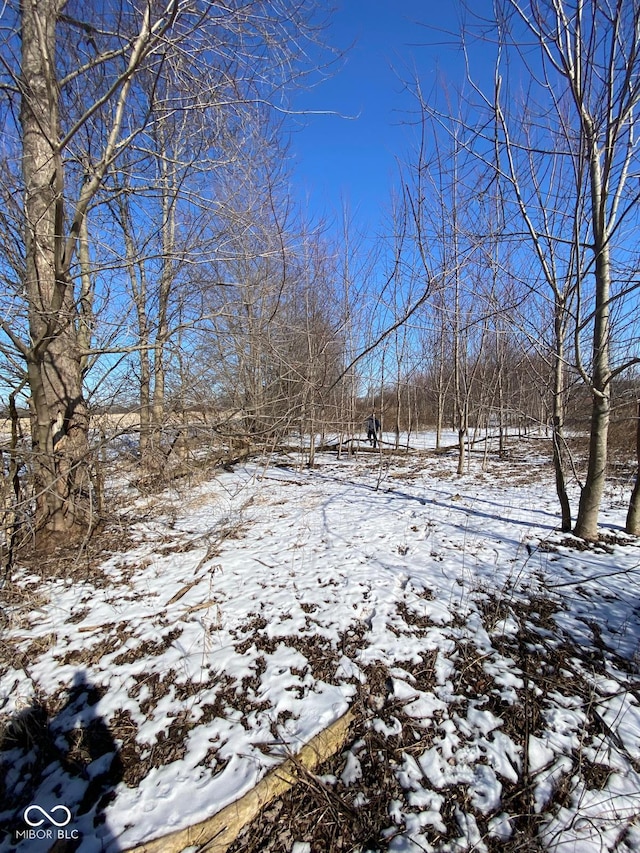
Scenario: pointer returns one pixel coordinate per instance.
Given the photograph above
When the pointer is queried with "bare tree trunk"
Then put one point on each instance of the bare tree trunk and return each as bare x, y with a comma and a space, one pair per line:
13, 499
461, 396
591, 494
136, 271
410, 415
54, 362
397, 417
86, 319
312, 434
440, 400
633, 514
558, 418
164, 292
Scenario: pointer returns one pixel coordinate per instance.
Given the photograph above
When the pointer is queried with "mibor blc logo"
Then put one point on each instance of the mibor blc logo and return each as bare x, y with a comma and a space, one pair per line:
40, 822
34, 809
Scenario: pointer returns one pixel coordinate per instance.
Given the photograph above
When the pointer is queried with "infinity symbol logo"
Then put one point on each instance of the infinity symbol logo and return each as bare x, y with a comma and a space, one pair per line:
46, 815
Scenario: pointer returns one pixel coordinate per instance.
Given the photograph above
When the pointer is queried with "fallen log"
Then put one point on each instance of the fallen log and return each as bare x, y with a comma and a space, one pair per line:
217, 833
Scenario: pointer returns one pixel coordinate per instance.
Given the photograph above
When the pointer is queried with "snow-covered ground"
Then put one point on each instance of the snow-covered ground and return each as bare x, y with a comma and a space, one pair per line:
237, 618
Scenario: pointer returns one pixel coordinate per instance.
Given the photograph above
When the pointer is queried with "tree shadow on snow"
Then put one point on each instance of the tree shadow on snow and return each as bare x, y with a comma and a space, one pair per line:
59, 772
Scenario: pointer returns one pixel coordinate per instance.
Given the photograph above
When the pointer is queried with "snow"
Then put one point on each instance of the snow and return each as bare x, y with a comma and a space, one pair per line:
254, 605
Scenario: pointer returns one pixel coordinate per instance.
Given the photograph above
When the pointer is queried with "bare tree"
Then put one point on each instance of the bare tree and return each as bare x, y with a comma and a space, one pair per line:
52, 354
553, 214
88, 81
586, 70
446, 215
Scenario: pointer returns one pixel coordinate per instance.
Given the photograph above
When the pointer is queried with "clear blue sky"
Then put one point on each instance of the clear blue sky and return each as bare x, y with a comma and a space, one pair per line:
387, 43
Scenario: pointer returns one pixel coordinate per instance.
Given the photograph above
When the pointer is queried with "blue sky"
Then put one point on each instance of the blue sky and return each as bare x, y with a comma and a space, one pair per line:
353, 159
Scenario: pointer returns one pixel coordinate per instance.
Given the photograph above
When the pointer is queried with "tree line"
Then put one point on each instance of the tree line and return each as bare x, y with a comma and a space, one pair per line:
153, 256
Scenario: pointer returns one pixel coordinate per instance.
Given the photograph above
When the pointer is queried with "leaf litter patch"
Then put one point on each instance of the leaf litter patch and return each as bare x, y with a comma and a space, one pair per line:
488, 769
